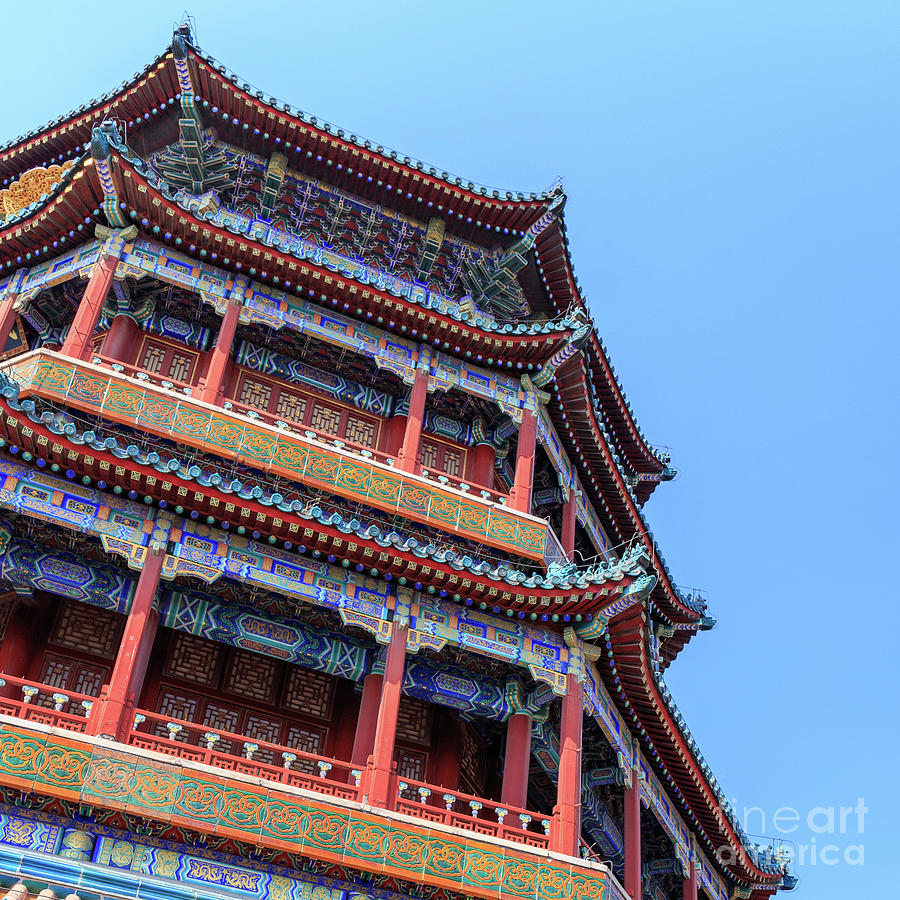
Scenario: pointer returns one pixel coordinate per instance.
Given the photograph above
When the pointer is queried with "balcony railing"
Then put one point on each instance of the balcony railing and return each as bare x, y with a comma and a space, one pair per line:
232, 752
44, 703
346, 471
287, 424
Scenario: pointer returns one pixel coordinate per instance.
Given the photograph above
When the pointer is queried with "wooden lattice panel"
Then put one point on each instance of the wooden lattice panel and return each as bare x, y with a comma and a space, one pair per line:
88, 629
325, 419
291, 406
414, 721
194, 659
472, 760
251, 675
73, 675
310, 692
255, 393
411, 764
360, 431
177, 706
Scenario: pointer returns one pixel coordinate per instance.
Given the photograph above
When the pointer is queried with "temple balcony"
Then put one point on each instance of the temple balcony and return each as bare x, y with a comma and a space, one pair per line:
276, 796
234, 431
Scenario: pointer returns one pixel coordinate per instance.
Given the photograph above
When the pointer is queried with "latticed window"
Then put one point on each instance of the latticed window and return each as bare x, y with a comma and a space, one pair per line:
87, 629
414, 720
411, 764
251, 675
168, 361
180, 367
291, 406
255, 393
261, 728
309, 692
325, 419
437, 456
194, 659
472, 762
360, 431
248, 694
72, 675
153, 358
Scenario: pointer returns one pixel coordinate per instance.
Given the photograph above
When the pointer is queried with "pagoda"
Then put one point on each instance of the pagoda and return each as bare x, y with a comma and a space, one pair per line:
324, 572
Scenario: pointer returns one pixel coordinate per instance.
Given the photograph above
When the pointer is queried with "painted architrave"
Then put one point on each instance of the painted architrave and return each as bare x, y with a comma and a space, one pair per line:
275, 308
146, 407
97, 773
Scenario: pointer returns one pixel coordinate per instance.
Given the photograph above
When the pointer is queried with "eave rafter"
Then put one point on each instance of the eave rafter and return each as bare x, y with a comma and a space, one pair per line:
166, 219
628, 636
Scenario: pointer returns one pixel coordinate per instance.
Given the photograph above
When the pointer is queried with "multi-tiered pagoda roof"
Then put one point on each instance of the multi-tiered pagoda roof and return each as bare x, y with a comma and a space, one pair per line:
355, 269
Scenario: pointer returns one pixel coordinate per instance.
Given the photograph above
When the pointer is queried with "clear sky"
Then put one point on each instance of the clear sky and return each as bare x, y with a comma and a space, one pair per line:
732, 173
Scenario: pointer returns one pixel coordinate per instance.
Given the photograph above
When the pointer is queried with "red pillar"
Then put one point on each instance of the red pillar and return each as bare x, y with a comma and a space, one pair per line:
447, 745
408, 457
689, 885
482, 466
364, 739
380, 783
78, 340
18, 645
217, 371
520, 495
568, 525
8, 306
121, 340
566, 835
517, 761
110, 714
633, 837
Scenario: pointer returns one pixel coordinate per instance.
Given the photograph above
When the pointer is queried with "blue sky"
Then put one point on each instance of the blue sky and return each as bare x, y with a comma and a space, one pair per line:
732, 172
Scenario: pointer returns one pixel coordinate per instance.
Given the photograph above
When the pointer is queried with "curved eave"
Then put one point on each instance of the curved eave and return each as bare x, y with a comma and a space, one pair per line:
66, 136
555, 261
629, 640
43, 229
141, 194
498, 209
22, 431
595, 458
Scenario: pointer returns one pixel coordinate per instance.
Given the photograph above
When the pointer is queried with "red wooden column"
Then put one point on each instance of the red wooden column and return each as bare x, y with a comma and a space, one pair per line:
482, 466
568, 525
121, 340
110, 716
8, 305
78, 340
566, 834
444, 763
633, 836
516, 761
219, 360
689, 887
379, 782
18, 645
364, 739
520, 495
408, 457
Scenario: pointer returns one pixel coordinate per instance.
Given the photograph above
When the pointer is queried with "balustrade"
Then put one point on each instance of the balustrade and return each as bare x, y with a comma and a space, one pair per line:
45, 703
286, 424
461, 810
35, 702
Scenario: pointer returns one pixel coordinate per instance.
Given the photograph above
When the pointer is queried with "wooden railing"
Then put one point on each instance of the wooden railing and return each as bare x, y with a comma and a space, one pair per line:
282, 422
460, 810
43, 703
179, 738
333, 777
